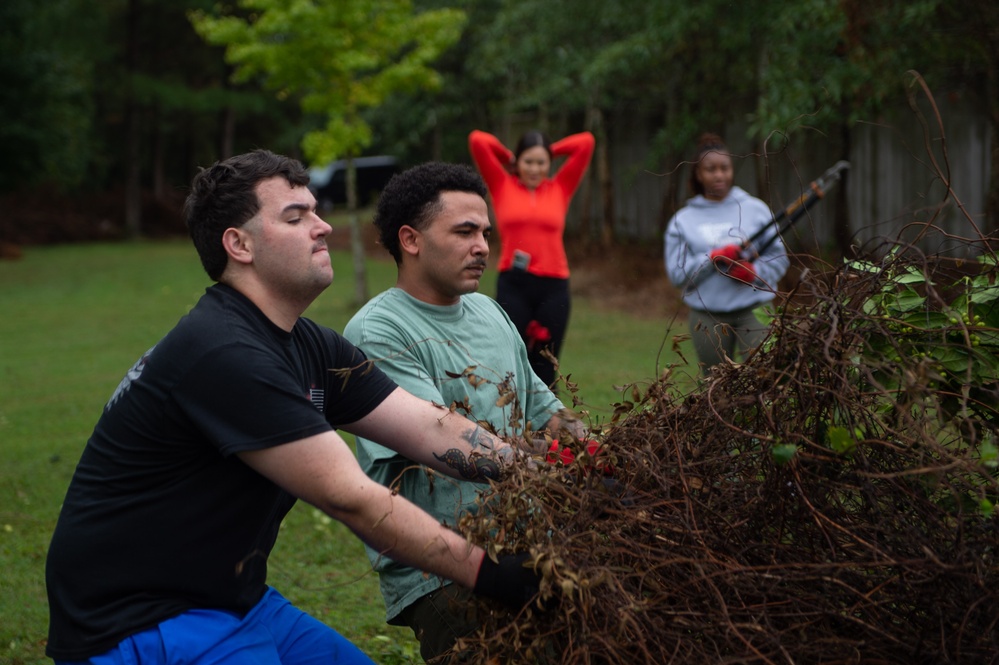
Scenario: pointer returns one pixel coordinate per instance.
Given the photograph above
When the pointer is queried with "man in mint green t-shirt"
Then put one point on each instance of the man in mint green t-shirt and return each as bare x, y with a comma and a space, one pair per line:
440, 340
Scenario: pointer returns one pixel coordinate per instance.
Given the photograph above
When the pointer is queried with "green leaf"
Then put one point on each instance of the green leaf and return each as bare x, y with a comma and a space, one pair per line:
953, 359
985, 295
986, 508
909, 300
986, 336
927, 319
912, 276
783, 453
765, 315
960, 305
863, 266
840, 440
335, 57
988, 455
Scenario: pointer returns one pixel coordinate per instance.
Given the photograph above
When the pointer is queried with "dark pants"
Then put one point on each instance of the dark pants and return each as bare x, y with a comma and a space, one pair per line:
526, 298
718, 336
438, 621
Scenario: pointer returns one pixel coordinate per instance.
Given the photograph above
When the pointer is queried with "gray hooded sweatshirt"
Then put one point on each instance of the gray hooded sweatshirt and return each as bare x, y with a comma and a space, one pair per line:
702, 226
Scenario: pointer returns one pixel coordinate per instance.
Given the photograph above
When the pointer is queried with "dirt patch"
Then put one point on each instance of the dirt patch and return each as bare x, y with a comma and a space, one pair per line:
627, 277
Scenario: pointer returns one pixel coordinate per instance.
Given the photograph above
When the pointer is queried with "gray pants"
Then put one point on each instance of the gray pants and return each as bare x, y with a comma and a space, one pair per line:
718, 335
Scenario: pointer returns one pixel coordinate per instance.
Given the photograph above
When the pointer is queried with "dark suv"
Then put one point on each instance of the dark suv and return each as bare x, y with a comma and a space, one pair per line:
329, 183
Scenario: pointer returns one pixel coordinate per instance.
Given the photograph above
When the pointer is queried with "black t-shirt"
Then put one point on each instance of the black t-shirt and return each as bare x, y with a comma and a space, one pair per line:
161, 515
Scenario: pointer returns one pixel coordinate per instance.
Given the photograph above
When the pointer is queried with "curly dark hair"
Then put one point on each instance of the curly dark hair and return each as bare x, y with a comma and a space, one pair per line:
706, 143
412, 198
224, 196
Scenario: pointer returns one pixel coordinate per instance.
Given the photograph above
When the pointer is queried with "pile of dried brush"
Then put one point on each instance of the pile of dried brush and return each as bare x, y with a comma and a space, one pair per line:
831, 500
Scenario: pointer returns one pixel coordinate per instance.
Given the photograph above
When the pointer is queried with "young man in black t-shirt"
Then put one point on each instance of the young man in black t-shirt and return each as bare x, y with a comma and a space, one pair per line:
160, 552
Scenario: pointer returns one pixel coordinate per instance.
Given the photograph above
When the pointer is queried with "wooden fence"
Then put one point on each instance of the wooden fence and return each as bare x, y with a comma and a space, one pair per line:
892, 187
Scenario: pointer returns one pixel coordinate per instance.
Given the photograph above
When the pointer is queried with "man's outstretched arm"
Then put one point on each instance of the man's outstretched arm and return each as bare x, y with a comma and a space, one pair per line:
323, 471
432, 435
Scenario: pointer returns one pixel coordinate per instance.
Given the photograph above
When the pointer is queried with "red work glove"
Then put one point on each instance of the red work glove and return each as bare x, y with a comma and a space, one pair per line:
567, 457
742, 271
556, 454
601, 464
726, 255
537, 334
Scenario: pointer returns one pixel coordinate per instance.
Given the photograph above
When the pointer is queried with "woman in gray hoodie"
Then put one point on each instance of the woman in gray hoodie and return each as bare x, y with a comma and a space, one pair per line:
722, 280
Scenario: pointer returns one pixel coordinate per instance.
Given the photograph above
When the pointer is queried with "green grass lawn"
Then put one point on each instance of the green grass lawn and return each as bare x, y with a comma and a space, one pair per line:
73, 319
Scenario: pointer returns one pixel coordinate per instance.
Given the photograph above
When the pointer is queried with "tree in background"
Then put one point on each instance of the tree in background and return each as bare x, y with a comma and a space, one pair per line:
434, 123
794, 73
797, 69
557, 64
967, 41
828, 65
178, 109
116, 100
537, 59
46, 92
337, 58
688, 63
536, 56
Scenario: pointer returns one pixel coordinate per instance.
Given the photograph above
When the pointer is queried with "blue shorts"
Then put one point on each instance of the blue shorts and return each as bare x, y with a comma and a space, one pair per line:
274, 632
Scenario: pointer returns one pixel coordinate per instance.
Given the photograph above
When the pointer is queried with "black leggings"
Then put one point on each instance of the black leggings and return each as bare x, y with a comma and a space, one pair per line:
526, 298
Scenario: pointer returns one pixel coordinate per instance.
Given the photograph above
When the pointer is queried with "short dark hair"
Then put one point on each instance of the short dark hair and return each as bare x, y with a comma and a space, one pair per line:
706, 143
413, 198
532, 139
224, 196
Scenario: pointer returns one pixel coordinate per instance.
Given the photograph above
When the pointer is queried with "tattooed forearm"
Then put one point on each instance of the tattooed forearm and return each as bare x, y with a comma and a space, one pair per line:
477, 468
487, 469
478, 438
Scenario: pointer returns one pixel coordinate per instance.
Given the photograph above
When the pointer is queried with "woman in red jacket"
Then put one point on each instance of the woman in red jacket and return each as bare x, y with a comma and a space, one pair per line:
530, 208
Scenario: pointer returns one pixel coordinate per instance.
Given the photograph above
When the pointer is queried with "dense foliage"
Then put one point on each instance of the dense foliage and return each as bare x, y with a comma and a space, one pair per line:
98, 92
337, 58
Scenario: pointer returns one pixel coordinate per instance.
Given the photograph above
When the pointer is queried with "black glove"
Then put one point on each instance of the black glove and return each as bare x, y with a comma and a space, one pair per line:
508, 581
619, 491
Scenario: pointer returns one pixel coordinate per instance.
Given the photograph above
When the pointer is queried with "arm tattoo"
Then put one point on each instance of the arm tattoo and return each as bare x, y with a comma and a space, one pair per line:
477, 438
475, 469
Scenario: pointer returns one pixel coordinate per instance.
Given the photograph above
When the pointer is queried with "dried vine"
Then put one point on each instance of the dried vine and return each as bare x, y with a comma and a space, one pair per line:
830, 500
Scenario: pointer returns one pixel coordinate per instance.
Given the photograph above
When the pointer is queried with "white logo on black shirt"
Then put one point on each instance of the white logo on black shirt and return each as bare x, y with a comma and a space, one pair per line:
318, 398
130, 376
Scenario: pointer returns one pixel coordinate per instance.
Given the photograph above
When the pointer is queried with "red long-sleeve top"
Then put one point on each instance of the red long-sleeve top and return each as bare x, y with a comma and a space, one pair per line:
532, 221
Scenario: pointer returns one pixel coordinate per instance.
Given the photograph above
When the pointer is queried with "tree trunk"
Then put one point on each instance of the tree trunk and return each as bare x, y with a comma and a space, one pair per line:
586, 186
763, 173
605, 178
356, 237
438, 142
228, 133
992, 194
506, 126
133, 166
673, 184
159, 155
841, 219
992, 113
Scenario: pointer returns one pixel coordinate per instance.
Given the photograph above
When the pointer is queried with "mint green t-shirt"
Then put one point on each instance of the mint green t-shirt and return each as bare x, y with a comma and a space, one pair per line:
430, 351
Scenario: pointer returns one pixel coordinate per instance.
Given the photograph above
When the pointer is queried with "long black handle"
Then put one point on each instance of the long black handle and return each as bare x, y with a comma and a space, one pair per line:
797, 209
783, 220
